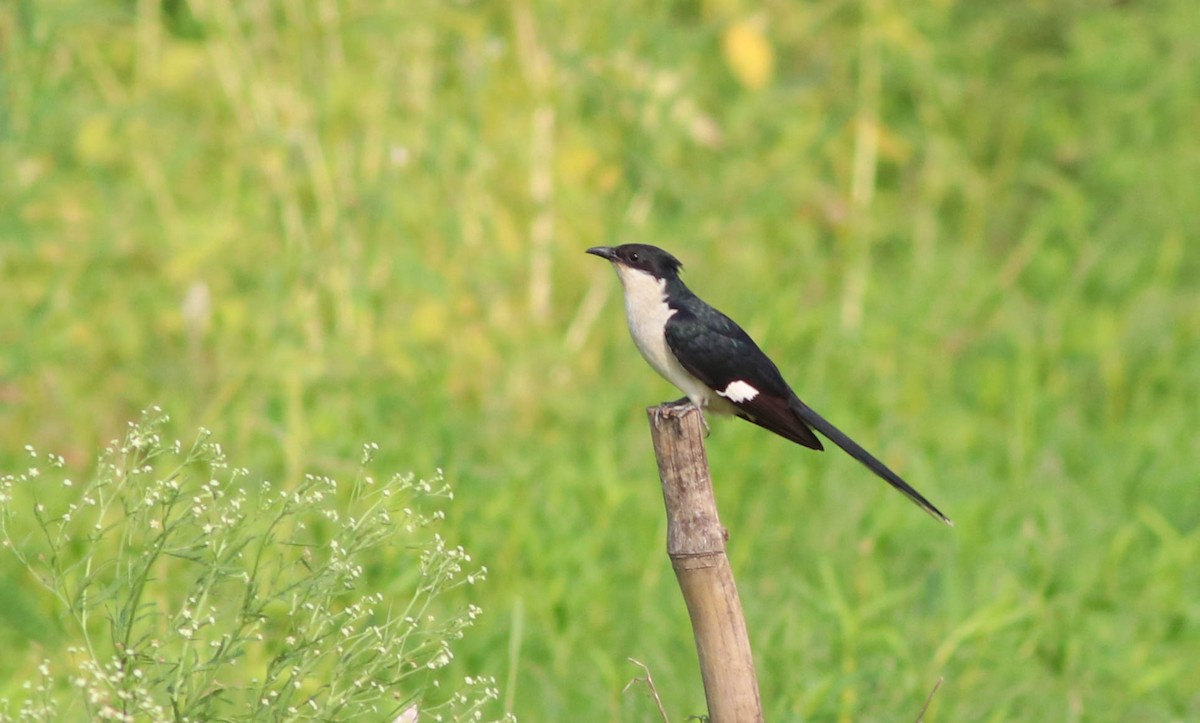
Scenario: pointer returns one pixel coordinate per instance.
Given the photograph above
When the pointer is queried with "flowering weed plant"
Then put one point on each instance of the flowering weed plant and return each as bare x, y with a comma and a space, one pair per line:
189, 593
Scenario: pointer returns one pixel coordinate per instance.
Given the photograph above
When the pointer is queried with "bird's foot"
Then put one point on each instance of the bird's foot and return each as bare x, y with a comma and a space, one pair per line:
681, 405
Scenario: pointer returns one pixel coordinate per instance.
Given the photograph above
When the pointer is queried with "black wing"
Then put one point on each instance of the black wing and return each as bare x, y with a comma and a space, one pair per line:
715, 350
718, 352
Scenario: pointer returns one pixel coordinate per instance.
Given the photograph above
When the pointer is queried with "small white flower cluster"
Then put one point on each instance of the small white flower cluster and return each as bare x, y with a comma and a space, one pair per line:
110, 690
444, 564
116, 691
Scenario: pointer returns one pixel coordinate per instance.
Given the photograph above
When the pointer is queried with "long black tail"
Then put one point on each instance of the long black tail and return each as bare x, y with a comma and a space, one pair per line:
852, 448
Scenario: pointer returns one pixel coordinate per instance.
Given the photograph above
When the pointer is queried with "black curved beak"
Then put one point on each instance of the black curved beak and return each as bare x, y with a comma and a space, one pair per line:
604, 252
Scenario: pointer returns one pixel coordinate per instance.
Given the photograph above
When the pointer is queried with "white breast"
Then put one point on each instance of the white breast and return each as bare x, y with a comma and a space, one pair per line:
647, 312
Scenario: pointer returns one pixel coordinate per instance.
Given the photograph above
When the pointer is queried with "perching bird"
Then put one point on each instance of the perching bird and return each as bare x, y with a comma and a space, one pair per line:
715, 363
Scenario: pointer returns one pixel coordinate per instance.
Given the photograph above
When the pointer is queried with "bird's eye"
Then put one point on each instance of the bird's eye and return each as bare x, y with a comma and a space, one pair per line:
633, 256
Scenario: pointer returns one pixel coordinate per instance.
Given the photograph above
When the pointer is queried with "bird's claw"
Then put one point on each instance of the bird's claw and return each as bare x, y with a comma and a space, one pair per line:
680, 406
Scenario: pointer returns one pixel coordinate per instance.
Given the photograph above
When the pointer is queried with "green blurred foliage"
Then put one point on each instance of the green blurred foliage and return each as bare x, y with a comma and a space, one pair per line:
965, 229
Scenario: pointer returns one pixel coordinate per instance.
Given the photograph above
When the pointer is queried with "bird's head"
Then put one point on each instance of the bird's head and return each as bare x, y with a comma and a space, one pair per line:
634, 258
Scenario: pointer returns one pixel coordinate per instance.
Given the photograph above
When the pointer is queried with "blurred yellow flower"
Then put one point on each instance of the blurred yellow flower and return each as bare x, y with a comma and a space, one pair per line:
749, 54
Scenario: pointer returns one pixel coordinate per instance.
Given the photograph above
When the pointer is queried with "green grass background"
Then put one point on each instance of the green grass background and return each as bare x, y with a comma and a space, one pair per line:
966, 230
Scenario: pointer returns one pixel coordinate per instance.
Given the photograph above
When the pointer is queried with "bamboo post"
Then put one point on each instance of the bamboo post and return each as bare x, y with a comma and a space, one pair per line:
696, 546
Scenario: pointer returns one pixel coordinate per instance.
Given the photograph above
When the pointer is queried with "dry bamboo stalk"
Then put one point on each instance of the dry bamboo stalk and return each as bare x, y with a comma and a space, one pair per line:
696, 546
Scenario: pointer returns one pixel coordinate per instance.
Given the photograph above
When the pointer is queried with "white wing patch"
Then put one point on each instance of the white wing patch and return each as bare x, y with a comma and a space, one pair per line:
739, 391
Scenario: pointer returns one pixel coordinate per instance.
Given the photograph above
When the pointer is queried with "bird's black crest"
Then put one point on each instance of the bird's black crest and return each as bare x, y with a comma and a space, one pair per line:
648, 258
